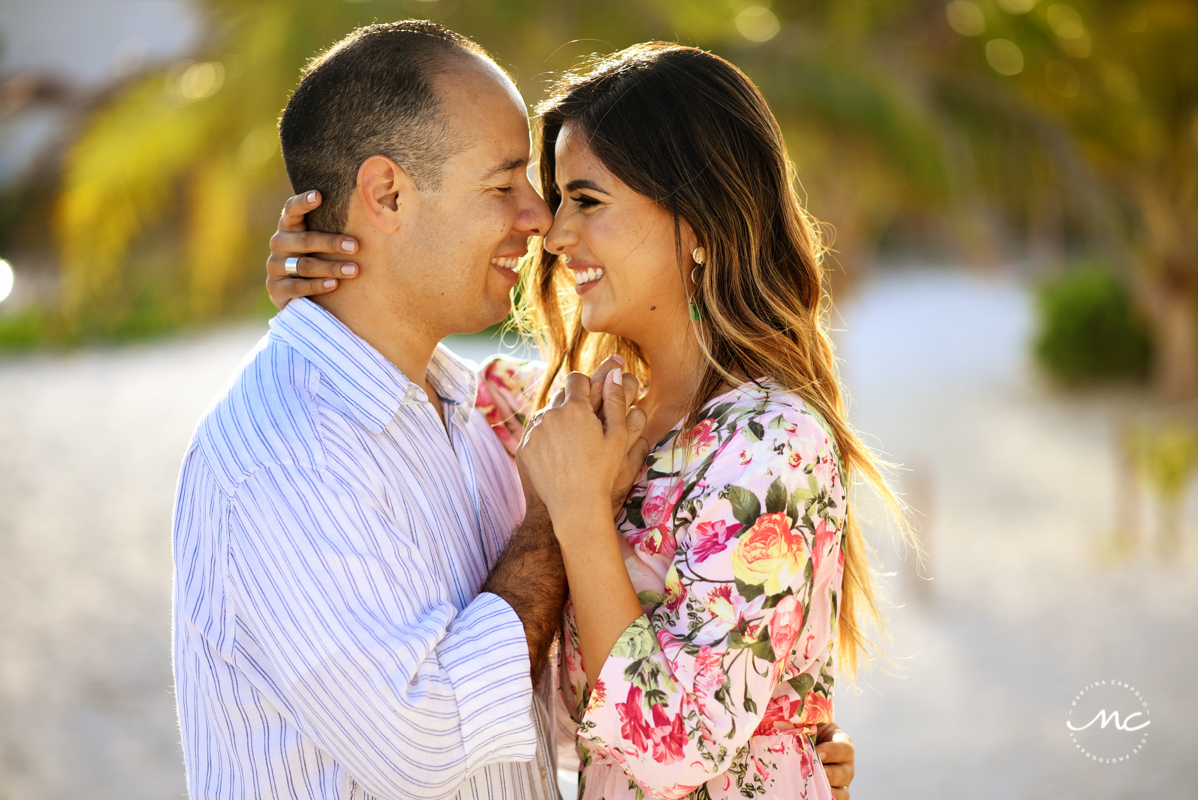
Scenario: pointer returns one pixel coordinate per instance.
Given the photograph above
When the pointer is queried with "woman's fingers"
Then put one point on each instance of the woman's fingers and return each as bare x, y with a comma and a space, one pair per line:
284, 290
632, 388
315, 277
615, 409
292, 218
309, 267
600, 377
297, 243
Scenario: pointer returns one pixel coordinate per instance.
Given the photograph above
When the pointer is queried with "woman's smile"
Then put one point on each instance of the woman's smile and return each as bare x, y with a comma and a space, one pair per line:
586, 276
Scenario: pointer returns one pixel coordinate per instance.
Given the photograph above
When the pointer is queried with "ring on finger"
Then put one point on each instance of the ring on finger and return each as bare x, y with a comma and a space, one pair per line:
291, 265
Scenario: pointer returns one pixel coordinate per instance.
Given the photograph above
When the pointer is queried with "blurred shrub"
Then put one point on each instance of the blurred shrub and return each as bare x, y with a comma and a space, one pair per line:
22, 330
1089, 330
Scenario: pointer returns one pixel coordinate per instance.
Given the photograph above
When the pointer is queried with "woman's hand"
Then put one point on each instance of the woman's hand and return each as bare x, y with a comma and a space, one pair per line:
574, 460
294, 240
579, 454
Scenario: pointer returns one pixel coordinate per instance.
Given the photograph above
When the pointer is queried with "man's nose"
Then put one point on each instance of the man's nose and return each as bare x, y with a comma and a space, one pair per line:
534, 218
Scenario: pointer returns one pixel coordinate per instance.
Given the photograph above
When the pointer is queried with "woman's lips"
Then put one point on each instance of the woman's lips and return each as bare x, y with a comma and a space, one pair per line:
585, 279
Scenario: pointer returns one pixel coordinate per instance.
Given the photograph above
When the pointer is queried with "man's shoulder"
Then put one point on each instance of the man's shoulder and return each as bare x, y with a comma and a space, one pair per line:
266, 415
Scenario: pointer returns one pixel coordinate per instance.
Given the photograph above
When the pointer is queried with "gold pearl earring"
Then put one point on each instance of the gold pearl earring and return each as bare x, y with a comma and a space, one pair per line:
699, 255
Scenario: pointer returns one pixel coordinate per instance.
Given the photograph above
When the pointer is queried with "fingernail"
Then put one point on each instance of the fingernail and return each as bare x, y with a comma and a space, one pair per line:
311, 197
330, 283
348, 245
617, 376
349, 269
619, 359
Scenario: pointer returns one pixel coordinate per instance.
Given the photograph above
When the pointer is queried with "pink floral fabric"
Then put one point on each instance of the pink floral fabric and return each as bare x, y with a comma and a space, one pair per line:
732, 538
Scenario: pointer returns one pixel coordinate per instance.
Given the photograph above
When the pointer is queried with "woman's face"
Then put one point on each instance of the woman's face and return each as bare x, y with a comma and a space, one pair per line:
619, 248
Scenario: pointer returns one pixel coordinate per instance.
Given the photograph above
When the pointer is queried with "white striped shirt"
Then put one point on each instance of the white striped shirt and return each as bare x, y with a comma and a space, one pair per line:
330, 539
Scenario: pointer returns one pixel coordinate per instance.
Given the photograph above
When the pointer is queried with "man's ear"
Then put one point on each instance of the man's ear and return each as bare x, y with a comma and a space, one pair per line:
385, 192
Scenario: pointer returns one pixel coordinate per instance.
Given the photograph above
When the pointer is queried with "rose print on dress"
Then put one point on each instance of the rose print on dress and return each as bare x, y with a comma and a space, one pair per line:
734, 537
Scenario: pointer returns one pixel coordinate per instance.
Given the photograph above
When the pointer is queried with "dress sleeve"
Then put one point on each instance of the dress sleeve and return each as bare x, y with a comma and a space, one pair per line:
751, 588
507, 393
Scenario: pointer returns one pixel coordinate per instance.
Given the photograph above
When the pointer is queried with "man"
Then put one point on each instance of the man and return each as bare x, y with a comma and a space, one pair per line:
336, 520
351, 619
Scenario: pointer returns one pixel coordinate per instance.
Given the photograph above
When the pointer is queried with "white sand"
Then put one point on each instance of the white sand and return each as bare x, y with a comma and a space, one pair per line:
1024, 609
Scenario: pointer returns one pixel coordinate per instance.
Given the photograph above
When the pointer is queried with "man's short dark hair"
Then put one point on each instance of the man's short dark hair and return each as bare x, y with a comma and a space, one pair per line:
370, 94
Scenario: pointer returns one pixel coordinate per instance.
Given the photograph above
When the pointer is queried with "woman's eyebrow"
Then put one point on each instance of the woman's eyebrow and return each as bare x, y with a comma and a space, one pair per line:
583, 183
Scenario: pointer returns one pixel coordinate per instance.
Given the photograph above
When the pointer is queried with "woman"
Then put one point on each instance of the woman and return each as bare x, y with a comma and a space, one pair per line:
698, 640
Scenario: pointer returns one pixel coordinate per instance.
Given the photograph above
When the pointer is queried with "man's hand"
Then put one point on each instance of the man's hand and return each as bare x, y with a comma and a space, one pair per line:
835, 751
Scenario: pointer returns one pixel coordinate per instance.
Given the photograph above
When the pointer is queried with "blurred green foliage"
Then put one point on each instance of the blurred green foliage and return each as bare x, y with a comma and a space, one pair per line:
990, 121
1089, 330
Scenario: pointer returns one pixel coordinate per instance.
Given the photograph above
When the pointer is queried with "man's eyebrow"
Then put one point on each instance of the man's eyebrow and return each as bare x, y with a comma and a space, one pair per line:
506, 166
583, 183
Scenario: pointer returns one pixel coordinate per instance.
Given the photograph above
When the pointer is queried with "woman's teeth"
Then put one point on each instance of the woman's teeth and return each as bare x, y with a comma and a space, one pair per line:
592, 274
507, 263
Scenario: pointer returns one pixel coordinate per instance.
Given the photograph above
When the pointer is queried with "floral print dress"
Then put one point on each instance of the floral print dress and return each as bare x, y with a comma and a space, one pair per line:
733, 542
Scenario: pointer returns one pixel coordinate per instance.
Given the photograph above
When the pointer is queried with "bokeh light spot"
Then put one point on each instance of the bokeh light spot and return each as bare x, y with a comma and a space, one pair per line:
1016, 6
1004, 56
965, 17
201, 80
757, 24
258, 146
1062, 78
1065, 21
7, 279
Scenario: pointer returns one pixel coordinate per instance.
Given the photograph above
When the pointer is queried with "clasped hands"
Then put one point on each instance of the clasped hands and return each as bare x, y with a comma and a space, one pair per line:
584, 450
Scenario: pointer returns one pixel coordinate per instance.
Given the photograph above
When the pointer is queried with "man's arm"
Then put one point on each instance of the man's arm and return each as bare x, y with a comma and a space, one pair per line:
342, 626
531, 578
530, 574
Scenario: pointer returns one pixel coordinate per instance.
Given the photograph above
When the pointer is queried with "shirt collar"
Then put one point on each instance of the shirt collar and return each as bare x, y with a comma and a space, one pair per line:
372, 386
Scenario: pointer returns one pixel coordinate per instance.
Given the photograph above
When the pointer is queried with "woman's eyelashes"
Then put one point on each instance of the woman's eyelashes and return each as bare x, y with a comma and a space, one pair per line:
586, 201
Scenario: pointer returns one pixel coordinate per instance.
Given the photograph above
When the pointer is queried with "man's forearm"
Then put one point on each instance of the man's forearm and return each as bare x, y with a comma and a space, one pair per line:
531, 578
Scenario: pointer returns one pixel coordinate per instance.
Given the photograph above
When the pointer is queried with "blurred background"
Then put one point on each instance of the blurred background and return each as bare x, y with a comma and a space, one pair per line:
1010, 188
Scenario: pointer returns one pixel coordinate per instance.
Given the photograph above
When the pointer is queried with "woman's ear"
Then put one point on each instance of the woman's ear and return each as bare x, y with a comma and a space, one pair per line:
384, 192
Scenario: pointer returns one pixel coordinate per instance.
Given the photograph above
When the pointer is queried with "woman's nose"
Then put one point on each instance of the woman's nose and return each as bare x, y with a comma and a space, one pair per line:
561, 235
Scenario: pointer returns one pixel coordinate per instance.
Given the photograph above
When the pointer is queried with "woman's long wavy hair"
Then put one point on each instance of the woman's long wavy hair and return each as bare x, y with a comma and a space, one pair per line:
690, 131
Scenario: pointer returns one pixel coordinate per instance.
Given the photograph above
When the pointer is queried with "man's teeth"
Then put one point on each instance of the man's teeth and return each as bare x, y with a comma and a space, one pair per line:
512, 263
591, 274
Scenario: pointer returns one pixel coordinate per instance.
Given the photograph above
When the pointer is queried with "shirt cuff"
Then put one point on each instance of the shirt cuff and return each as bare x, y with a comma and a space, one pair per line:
485, 655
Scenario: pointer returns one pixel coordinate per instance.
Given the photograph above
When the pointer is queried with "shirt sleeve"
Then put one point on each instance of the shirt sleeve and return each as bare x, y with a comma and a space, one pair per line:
338, 624
751, 587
